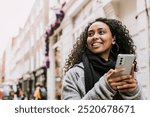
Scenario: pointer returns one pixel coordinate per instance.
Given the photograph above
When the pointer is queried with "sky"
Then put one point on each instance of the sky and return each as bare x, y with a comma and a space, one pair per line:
13, 15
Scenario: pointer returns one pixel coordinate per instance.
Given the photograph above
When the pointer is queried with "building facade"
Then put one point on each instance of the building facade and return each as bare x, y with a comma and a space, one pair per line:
25, 52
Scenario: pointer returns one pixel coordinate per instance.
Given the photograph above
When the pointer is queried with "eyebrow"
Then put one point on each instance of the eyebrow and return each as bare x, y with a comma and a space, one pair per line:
98, 29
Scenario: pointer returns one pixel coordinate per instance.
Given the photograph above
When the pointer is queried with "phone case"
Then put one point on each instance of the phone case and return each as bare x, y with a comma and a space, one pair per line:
126, 61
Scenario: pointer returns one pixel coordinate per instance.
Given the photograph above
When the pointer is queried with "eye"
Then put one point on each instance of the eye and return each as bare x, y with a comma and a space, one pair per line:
90, 33
101, 32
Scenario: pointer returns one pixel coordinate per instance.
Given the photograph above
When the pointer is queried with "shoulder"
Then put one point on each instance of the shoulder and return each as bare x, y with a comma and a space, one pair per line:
73, 83
77, 68
76, 71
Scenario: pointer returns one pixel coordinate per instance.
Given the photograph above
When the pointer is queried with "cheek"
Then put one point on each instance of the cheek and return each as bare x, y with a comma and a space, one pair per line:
108, 41
88, 41
108, 44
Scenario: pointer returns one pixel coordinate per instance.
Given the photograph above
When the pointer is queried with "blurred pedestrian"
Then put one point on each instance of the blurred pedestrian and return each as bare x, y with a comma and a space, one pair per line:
40, 92
37, 95
20, 94
43, 92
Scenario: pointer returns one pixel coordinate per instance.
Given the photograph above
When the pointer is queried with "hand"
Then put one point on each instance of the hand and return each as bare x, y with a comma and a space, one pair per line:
131, 83
124, 83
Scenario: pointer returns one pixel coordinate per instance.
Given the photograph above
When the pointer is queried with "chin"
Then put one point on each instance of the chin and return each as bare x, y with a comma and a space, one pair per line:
97, 52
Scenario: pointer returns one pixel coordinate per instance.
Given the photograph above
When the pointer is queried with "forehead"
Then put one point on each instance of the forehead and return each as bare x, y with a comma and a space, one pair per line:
98, 24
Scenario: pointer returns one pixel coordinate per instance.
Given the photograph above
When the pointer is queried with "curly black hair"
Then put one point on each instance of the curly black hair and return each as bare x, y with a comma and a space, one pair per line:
123, 40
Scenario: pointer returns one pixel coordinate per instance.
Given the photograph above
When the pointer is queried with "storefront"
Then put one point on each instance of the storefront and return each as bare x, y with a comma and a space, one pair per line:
40, 75
27, 83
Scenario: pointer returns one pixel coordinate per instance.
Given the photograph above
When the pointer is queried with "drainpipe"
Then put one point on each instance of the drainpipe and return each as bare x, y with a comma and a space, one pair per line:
148, 31
148, 21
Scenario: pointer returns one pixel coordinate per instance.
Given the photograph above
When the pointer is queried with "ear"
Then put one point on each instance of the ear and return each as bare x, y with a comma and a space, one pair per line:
113, 40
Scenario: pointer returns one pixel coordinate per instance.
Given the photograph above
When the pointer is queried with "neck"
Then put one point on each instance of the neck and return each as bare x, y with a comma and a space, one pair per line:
105, 55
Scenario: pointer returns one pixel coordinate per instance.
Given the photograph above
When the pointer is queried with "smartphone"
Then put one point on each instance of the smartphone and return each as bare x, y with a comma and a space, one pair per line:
126, 61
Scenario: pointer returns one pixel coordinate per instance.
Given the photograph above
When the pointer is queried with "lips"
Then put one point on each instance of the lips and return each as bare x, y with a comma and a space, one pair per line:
96, 44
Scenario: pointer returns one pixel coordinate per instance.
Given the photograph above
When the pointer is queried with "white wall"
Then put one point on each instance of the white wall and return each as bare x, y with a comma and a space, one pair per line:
128, 10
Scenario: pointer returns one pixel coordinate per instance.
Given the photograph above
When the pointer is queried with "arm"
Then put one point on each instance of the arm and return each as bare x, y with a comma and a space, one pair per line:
74, 88
100, 91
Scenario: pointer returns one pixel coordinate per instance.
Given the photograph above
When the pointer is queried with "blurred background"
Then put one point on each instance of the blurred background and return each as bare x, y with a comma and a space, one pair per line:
35, 54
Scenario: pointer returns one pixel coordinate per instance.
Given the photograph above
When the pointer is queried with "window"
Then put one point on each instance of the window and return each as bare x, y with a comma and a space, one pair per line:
31, 19
37, 59
37, 33
41, 28
32, 40
32, 63
40, 4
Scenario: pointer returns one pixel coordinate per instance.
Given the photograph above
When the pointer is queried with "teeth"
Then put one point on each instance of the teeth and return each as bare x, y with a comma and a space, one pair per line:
96, 44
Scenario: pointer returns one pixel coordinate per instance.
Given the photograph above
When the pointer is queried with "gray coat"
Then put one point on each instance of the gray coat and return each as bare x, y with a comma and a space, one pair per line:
73, 88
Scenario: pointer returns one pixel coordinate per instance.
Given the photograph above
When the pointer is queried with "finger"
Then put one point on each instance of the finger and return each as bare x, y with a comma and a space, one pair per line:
120, 78
110, 73
126, 86
120, 69
115, 84
114, 88
130, 81
132, 71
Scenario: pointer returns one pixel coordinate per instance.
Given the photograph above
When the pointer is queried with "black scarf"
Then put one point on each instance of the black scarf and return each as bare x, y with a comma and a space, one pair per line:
94, 68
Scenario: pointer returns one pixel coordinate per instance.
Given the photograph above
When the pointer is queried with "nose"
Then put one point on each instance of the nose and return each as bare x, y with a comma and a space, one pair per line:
96, 36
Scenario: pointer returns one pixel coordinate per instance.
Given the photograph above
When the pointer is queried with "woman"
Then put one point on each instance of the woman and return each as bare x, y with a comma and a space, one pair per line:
90, 70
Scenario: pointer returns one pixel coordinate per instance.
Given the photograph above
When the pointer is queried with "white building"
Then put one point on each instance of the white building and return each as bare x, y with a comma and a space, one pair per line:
25, 52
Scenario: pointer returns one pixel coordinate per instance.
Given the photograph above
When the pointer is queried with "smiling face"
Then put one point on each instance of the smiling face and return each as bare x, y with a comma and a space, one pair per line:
100, 39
